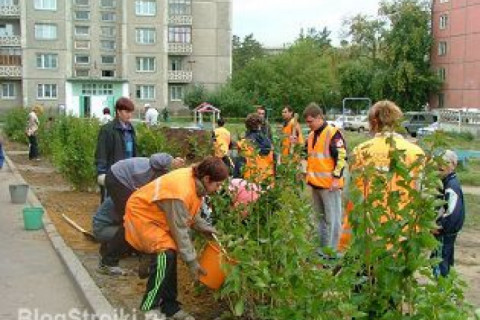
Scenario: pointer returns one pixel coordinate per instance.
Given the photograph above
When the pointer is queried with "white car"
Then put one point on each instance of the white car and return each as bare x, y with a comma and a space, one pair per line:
359, 123
425, 131
339, 122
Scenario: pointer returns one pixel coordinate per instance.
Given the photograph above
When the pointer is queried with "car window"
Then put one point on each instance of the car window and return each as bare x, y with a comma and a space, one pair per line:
421, 118
435, 118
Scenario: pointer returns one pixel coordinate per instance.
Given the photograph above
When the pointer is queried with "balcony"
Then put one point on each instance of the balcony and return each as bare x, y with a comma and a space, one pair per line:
10, 41
10, 11
10, 71
180, 20
180, 76
180, 49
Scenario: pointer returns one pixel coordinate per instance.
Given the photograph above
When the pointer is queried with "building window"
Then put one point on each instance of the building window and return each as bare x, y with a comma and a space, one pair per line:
108, 4
82, 44
108, 59
443, 1
82, 30
145, 92
179, 34
82, 72
145, 64
108, 73
145, 7
145, 35
441, 100
105, 89
47, 61
442, 48
46, 91
45, 31
107, 44
82, 2
82, 15
443, 21
176, 93
108, 31
442, 73
6, 29
176, 64
82, 59
89, 89
46, 5
108, 16
6, 3
8, 91
180, 7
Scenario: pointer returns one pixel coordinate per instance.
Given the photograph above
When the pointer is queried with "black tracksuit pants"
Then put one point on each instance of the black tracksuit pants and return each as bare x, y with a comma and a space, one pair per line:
161, 292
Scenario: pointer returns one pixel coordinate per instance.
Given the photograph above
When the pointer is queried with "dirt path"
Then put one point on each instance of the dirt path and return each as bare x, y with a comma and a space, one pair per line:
471, 190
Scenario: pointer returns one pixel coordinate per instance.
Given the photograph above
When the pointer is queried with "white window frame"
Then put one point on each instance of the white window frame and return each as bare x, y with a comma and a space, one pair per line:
45, 34
444, 1
146, 8
109, 63
109, 14
180, 34
145, 64
110, 34
112, 76
442, 48
46, 5
52, 90
109, 41
82, 19
442, 73
175, 64
142, 34
11, 90
82, 4
113, 5
180, 7
80, 76
82, 34
443, 23
78, 56
175, 91
47, 60
145, 92
80, 47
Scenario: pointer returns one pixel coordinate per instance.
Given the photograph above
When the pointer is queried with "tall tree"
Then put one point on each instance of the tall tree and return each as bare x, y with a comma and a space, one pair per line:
366, 34
244, 51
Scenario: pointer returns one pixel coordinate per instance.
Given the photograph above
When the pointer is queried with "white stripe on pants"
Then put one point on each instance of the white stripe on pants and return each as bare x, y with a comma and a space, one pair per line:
328, 213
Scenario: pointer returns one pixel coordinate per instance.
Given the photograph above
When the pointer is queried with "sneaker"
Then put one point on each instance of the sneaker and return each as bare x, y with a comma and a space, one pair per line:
181, 315
111, 270
154, 315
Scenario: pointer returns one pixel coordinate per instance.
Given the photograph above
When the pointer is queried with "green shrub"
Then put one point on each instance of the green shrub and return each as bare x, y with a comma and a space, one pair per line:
16, 123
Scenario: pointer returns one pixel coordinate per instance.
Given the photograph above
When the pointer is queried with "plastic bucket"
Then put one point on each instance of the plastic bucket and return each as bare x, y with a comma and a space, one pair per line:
32, 218
211, 261
18, 193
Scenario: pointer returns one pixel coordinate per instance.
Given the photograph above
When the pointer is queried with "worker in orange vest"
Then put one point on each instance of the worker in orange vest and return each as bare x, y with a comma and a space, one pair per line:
221, 142
256, 150
157, 221
326, 161
292, 132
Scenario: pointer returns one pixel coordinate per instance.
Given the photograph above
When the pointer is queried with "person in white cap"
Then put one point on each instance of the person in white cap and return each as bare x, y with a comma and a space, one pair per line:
151, 115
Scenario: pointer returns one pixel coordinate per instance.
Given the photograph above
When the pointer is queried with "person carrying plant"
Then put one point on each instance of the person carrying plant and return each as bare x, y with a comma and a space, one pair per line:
326, 160
31, 131
158, 219
256, 150
292, 132
123, 178
451, 214
116, 141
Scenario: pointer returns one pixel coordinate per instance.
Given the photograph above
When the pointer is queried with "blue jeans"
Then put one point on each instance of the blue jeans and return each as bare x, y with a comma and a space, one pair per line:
446, 253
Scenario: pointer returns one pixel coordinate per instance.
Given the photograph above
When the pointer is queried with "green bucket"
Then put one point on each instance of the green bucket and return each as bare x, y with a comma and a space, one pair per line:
32, 218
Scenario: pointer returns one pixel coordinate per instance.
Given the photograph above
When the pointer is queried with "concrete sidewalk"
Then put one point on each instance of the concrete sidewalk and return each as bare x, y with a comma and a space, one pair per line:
32, 276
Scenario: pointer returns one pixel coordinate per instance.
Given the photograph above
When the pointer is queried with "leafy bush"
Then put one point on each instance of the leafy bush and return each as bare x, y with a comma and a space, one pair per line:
16, 122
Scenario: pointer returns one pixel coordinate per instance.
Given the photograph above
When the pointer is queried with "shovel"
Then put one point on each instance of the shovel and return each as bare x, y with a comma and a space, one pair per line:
86, 233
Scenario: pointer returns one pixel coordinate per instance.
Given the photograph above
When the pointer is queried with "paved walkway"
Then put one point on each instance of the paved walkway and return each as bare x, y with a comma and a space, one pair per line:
32, 276
471, 190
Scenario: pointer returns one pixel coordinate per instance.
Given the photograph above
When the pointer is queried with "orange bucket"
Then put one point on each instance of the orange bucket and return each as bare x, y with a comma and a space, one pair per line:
211, 261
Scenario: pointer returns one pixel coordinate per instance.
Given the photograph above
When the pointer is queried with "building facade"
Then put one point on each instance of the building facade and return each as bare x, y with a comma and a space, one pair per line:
456, 53
84, 54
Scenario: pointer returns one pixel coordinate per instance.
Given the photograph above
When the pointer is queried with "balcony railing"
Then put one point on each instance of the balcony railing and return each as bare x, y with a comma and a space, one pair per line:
180, 48
10, 41
10, 11
180, 76
10, 71
180, 20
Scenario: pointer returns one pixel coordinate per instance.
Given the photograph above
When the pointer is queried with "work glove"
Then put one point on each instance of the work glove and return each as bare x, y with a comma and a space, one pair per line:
196, 269
101, 179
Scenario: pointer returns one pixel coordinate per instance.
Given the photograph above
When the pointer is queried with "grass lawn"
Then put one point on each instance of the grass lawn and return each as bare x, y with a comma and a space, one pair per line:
469, 175
472, 219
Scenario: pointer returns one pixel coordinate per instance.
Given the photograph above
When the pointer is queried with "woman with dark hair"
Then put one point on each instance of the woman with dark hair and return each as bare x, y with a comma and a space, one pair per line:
106, 117
157, 221
116, 141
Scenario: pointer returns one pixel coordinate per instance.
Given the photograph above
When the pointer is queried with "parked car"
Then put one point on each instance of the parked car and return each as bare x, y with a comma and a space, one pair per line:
425, 131
339, 122
417, 120
359, 123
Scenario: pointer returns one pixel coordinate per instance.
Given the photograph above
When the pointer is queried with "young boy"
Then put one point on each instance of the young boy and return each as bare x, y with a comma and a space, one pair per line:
452, 213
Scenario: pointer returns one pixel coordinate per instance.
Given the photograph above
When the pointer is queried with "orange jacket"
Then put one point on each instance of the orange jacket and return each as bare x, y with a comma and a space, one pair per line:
146, 227
320, 163
289, 131
258, 169
222, 142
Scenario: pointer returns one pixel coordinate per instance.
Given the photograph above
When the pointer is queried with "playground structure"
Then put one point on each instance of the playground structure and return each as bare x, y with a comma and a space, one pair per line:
205, 108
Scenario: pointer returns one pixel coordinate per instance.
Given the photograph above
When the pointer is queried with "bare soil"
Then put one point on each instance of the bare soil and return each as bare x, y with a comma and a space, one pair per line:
126, 292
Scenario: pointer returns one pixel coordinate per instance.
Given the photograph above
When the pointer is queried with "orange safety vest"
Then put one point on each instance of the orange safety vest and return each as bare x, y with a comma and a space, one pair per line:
257, 168
320, 163
222, 142
146, 227
289, 131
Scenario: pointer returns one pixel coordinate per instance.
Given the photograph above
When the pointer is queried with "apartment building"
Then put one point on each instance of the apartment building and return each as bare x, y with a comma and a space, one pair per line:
82, 55
456, 53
